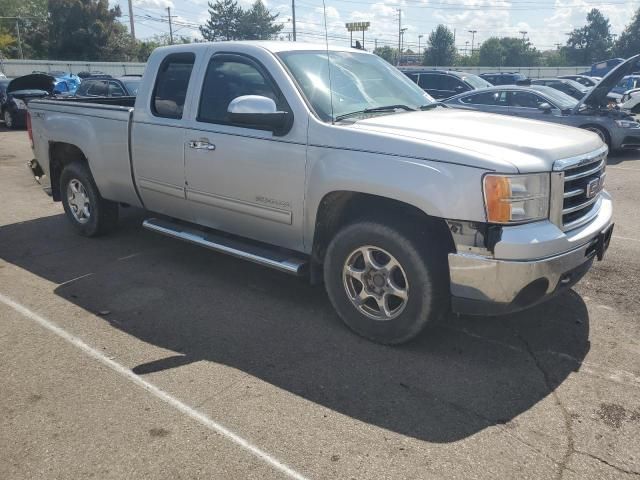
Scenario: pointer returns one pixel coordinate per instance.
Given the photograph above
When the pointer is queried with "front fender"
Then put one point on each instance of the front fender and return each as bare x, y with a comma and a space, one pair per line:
439, 189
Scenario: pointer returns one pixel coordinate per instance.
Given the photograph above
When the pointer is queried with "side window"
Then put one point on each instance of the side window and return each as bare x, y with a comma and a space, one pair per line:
428, 81
413, 76
456, 85
170, 90
525, 100
228, 78
83, 88
98, 89
115, 90
486, 98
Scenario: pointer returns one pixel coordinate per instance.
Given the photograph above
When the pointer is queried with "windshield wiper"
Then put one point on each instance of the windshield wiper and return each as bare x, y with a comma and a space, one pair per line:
385, 108
431, 106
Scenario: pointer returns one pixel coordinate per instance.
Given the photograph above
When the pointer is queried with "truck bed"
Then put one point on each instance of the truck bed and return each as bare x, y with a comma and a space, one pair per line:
99, 128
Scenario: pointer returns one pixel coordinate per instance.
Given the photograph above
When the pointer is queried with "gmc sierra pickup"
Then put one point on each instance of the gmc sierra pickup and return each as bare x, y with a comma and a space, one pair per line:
330, 163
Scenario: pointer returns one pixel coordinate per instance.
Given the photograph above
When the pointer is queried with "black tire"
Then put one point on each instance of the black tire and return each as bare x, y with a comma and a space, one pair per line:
9, 120
422, 263
103, 214
601, 132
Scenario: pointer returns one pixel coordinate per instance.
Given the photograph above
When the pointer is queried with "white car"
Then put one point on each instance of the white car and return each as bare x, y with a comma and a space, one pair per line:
630, 101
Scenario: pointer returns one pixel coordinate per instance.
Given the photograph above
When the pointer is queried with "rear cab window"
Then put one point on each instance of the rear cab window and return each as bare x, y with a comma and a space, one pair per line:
170, 90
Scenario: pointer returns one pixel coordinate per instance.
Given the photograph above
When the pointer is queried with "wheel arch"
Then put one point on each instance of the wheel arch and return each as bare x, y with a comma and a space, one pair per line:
602, 128
60, 155
341, 207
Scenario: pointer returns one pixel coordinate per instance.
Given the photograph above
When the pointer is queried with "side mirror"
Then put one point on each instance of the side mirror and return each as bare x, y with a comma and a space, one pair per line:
545, 107
259, 112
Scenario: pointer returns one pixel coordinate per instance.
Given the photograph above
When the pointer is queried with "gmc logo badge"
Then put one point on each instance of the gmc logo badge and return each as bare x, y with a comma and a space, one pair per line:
594, 187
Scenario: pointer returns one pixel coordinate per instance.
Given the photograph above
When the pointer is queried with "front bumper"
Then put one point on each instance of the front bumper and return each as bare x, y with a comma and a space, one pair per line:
484, 285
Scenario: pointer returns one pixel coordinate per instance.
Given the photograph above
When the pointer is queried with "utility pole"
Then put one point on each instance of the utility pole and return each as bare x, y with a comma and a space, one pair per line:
19, 40
170, 27
466, 47
419, 38
524, 34
133, 28
375, 43
399, 59
473, 38
293, 18
558, 45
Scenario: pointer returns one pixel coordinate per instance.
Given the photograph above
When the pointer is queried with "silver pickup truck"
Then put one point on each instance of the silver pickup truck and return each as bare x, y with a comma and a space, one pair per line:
330, 163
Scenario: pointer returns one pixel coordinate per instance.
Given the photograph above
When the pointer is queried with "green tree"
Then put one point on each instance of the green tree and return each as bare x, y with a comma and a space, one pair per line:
590, 43
441, 48
628, 43
387, 53
491, 53
508, 51
87, 30
258, 23
223, 24
32, 24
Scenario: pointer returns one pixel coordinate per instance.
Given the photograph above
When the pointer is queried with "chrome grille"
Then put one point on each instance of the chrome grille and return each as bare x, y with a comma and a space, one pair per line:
583, 181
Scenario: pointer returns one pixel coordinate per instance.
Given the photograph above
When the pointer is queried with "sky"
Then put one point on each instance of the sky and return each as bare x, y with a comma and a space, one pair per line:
546, 22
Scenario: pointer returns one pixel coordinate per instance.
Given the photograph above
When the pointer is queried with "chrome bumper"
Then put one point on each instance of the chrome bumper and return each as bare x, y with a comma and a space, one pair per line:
482, 285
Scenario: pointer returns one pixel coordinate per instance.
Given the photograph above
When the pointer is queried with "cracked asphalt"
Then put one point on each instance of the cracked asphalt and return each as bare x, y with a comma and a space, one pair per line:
548, 393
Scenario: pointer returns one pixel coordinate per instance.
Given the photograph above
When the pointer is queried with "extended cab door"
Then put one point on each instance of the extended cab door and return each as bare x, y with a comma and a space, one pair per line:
240, 179
157, 138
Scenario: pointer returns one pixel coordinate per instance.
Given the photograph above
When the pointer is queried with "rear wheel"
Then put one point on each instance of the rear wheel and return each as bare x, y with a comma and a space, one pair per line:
89, 213
384, 285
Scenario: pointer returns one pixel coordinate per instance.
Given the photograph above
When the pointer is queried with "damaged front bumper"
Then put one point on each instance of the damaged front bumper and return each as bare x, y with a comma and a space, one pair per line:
482, 284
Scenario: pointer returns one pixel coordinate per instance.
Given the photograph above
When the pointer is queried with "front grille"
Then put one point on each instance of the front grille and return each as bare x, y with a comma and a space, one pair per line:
577, 205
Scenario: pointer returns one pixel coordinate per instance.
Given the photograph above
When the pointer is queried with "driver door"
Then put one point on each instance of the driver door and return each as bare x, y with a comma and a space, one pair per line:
241, 179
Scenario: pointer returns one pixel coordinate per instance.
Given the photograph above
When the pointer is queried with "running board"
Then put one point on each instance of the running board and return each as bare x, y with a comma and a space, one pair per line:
247, 250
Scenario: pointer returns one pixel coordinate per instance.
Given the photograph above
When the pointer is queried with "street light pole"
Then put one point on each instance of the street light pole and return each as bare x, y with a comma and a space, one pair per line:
19, 40
293, 18
473, 38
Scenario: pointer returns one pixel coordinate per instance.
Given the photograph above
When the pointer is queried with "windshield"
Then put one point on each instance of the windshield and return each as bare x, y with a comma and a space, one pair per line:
359, 81
576, 85
132, 86
476, 81
558, 98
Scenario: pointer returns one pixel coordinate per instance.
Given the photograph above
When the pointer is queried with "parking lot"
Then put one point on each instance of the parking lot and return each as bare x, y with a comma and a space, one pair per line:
138, 356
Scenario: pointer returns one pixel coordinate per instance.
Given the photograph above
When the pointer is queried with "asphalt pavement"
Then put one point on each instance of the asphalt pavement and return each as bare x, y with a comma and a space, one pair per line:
138, 356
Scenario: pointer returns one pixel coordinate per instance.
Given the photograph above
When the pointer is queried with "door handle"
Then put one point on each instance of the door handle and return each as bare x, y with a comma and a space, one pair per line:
201, 145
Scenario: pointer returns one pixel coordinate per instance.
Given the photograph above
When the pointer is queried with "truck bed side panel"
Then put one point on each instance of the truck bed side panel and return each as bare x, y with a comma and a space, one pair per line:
101, 132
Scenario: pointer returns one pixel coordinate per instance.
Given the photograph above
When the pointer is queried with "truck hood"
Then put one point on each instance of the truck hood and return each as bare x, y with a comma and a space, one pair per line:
485, 140
34, 81
597, 97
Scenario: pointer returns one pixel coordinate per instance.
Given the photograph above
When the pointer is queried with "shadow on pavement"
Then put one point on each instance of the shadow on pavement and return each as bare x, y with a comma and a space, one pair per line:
455, 380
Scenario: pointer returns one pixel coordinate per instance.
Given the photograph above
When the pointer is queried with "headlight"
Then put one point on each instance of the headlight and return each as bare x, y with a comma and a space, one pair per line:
627, 124
516, 198
20, 105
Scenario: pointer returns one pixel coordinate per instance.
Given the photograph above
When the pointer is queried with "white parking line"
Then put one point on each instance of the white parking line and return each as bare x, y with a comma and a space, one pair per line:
152, 389
623, 168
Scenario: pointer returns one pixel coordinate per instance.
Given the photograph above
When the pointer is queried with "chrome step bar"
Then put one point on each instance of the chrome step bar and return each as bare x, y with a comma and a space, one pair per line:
270, 257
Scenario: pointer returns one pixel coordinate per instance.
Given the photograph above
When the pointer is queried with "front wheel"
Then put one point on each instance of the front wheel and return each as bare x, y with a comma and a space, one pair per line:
89, 213
601, 132
383, 283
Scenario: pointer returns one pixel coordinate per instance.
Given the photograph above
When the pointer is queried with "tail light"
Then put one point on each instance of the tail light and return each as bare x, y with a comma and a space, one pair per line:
29, 131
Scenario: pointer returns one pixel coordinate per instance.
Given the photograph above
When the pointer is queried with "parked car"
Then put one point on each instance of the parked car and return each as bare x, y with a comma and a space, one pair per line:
629, 82
602, 68
442, 84
19, 92
582, 79
404, 208
616, 128
570, 87
505, 78
126, 86
86, 74
630, 101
